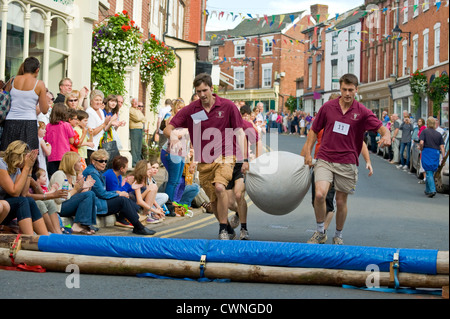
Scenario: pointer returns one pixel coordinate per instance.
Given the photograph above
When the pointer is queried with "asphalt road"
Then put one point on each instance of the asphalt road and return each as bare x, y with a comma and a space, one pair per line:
388, 209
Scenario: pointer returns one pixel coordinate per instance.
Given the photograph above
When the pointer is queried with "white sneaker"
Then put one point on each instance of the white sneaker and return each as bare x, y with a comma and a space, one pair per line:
399, 166
244, 235
223, 235
405, 167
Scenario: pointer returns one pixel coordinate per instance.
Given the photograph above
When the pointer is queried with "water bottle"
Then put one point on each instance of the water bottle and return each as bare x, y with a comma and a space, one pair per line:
65, 186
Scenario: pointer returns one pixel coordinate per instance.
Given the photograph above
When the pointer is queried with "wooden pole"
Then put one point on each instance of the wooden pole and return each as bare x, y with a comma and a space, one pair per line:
235, 272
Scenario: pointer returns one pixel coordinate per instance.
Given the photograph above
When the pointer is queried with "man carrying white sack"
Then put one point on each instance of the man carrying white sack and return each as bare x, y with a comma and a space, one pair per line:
344, 121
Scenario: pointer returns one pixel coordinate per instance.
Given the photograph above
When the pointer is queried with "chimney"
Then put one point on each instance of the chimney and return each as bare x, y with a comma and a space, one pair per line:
319, 9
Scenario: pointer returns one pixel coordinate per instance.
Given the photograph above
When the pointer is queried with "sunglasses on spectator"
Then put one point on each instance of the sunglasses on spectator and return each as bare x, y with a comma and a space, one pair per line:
101, 161
75, 100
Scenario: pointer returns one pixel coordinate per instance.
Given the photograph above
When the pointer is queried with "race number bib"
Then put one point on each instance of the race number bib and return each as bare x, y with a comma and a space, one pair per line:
341, 128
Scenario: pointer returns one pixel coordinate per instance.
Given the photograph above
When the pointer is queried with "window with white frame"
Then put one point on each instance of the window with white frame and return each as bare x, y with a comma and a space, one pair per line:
334, 75
416, 8
267, 45
239, 75
415, 52
215, 52
405, 11
425, 48
318, 73
310, 75
351, 37
266, 75
239, 48
437, 42
426, 5
334, 41
405, 56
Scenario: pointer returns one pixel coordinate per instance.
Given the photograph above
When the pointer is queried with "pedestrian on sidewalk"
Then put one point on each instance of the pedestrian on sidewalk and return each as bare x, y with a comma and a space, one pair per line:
345, 121
431, 142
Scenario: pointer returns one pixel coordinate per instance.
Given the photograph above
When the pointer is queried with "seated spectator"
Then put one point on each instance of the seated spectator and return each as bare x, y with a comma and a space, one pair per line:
59, 135
81, 201
16, 164
4, 210
146, 194
113, 176
113, 202
45, 200
187, 190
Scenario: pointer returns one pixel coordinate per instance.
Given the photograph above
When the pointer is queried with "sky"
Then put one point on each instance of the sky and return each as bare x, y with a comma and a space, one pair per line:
269, 8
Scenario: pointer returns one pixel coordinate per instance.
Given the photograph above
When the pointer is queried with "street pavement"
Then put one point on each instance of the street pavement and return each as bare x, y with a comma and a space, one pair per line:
388, 209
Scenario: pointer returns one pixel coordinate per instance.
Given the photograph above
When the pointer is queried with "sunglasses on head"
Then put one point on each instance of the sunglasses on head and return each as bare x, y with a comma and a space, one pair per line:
102, 161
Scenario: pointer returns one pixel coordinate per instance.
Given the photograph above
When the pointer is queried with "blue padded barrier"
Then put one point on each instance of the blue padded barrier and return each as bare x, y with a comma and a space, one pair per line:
262, 253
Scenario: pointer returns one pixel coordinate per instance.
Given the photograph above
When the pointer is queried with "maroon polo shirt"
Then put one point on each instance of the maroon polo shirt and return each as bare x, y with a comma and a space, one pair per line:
343, 133
252, 137
213, 136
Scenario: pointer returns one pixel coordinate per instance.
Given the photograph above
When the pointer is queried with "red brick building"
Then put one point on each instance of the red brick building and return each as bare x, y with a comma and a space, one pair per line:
388, 57
260, 59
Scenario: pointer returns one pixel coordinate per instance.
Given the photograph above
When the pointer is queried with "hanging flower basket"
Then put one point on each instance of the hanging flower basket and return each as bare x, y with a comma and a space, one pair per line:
437, 91
419, 85
157, 59
116, 45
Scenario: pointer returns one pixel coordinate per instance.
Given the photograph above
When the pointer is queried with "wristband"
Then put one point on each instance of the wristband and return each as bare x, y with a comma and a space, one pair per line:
246, 160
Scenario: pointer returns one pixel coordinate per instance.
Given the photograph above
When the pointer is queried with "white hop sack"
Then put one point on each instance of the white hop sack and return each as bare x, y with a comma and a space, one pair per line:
277, 182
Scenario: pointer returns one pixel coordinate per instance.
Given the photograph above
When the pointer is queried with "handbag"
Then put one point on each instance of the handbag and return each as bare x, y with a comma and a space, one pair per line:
5, 105
109, 145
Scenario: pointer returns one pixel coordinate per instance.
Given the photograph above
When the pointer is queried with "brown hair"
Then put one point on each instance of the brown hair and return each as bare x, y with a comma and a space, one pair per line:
349, 79
203, 78
140, 171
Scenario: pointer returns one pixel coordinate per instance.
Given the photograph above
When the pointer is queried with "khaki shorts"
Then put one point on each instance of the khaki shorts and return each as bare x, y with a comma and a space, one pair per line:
344, 176
221, 171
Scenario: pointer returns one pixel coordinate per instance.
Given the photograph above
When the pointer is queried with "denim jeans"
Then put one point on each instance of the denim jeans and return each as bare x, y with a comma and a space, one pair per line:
174, 165
190, 191
22, 208
136, 145
82, 206
402, 149
430, 187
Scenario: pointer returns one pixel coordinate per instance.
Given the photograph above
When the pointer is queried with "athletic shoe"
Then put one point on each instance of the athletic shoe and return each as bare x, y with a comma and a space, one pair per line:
399, 166
124, 223
338, 241
405, 167
151, 220
234, 220
232, 235
223, 235
244, 234
318, 238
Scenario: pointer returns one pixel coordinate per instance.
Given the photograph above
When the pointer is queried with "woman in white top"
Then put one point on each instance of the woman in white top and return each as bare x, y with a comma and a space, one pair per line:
98, 123
26, 93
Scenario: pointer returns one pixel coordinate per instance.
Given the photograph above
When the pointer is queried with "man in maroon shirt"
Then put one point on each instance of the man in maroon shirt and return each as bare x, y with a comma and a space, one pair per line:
215, 127
344, 121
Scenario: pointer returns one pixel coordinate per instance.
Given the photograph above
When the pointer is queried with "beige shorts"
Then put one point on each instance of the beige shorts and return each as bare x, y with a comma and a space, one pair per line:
217, 172
344, 176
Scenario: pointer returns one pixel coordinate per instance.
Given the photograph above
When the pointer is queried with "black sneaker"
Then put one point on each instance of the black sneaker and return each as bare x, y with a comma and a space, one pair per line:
143, 231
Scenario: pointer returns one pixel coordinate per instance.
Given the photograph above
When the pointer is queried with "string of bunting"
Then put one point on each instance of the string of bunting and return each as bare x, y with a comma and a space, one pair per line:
220, 14
264, 19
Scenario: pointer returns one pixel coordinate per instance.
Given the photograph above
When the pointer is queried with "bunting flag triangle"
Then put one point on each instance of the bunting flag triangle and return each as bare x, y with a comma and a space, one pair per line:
291, 16
438, 5
281, 20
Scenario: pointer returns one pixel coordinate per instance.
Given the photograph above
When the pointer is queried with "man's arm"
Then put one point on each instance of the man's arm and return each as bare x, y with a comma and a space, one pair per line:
366, 156
385, 139
307, 148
